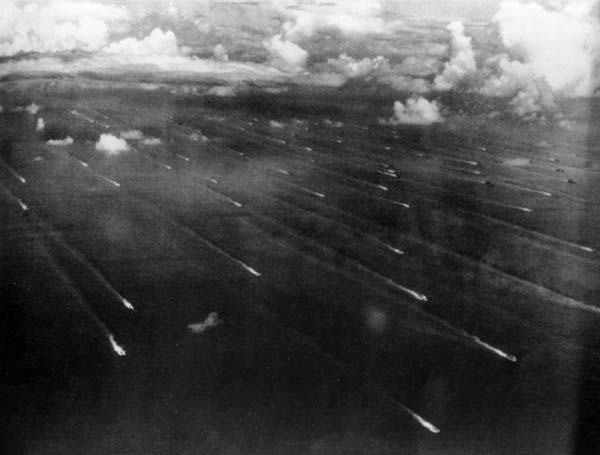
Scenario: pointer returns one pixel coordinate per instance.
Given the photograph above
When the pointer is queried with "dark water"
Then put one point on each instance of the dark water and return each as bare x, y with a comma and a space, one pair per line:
328, 351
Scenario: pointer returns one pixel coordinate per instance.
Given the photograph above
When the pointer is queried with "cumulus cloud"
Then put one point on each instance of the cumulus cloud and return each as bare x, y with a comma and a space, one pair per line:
132, 135
549, 51
198, 137
220, 53
461, 64
419, 66
336, 124
111, 144
350, 68
32, 109
559, 44
157, 52
416, 111
151, 141
536, 98
286, 54
211, 321
56, 26
546, 50
40, 125
405, 83
60, 142
157, 43
378, 69
510, 78
362, 17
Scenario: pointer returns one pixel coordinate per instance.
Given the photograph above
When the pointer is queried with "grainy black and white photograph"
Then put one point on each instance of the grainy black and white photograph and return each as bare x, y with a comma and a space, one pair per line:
299, 227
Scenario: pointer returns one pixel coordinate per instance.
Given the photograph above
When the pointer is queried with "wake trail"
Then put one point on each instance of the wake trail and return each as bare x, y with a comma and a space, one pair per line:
62, 274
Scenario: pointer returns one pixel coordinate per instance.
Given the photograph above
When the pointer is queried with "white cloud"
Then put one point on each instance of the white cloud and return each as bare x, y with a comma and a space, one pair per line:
32, 109
60, 142
40, 125
507, 76
221, 90
406, 83
170, 66
419, 66
151, 141
461, 64
211, 321
350, 67
560, 44
220, 53
157, 43
132, 135
56, 26
111, 144
336, 124
198, 137
510, 78
286, 54
416, 111
353, 17
379, 69
533, 100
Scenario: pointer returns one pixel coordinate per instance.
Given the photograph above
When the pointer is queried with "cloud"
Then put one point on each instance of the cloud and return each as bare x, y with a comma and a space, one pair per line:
336, 124
461, 64
381, 42
32, 109
211, 321
60, 142
198, 137
222, 91
157, 43
151, 141
510, 78
416, 111
378, 69
220, 53
419, 66
40, 125
111, 144
286, 54
351, 68
352, 17
559, 44
158, 52
403, 83
533, 100
132, 135
56, 26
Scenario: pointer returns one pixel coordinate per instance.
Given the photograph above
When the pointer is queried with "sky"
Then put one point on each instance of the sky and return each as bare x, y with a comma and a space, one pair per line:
529, 51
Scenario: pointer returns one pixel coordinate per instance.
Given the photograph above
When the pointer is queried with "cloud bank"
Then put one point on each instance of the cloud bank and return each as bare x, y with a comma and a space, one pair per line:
535, 51
56, 26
